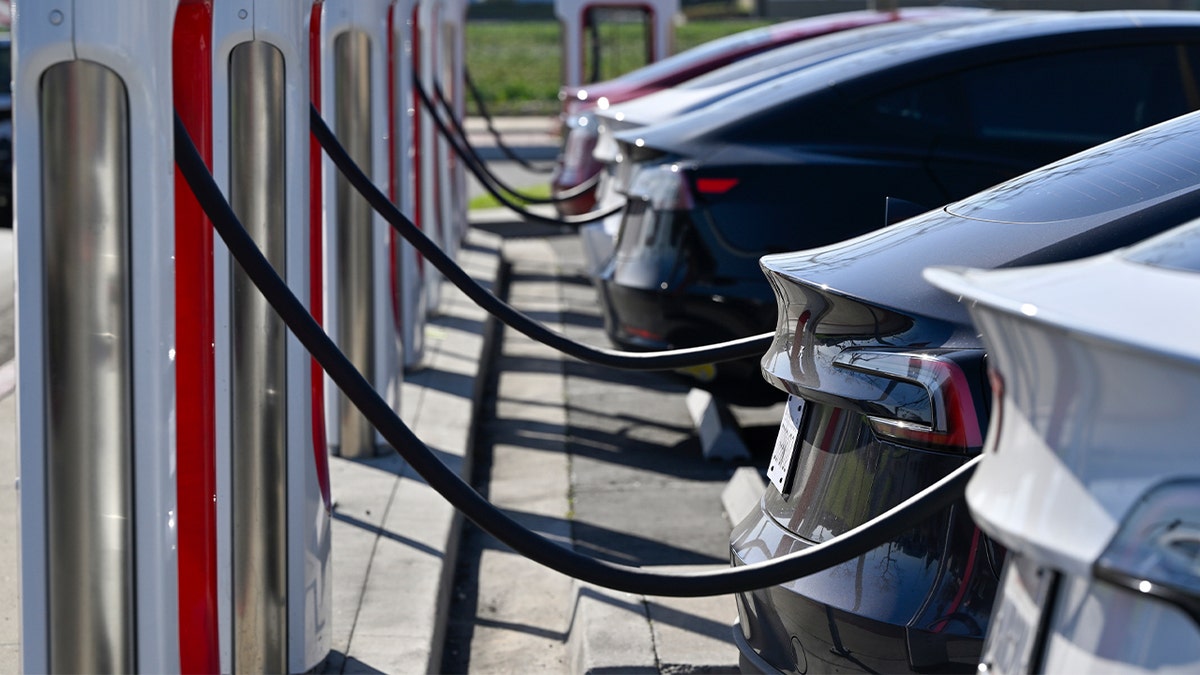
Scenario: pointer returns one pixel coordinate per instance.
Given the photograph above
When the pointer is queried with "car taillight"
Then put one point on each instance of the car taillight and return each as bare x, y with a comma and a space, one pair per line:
715, 186
1156, 550
924, 398
581, 140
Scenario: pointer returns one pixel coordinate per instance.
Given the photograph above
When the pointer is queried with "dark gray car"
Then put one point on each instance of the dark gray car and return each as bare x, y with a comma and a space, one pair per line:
808, 159
887, 383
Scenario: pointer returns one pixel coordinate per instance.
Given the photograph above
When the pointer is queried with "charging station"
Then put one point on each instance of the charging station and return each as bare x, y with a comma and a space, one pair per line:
96, 388
277, 610
581, 21
425, 159
355, 64
452, 60
408, 299
441, 183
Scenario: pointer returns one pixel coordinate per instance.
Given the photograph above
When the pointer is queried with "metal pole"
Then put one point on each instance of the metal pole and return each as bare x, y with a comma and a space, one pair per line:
88, 381
356, 319
259, 379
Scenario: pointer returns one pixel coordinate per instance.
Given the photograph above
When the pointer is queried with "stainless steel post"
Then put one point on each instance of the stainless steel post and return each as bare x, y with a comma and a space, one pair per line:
259, 377
352, 123
88, 378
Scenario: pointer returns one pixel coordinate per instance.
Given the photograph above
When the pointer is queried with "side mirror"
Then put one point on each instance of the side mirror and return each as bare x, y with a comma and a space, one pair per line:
896, 210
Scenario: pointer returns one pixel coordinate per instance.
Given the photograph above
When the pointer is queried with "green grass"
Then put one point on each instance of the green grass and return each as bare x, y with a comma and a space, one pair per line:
517, 65
539, 191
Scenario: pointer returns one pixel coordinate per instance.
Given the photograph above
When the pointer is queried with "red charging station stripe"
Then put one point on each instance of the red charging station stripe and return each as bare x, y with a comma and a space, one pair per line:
195, 392
418, 202
316, 253
393, 177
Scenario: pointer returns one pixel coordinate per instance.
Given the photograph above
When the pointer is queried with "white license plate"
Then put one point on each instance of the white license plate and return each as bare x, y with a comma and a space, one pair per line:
1013, 631
780, 468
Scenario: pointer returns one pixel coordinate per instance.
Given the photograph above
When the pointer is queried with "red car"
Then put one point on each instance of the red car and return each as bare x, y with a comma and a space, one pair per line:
575, 163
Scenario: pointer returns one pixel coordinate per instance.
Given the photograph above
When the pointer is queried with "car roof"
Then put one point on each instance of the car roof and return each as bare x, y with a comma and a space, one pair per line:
949, 50
884, 267
778, 62
782, 33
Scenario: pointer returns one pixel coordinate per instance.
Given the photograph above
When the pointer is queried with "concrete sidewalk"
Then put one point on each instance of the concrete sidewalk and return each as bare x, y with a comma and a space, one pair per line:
601, 461
396, 542
530, 138
394, 538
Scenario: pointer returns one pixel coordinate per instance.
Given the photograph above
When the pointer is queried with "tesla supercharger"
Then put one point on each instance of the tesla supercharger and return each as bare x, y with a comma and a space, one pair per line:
408, 297
274, 606
430, 149
453, 60
95, 334
578, 16
358, 279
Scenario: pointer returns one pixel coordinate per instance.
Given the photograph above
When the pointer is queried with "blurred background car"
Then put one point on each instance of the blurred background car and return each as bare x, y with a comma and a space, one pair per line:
576, 166
599, 239
1090, 479
810, 158
888, 393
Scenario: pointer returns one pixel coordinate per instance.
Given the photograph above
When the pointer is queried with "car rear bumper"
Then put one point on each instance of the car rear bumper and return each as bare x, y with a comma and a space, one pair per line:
644, 320
869, 614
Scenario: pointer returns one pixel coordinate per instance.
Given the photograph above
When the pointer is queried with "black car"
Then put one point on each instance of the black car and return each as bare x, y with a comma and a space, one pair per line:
808, 159
888, 392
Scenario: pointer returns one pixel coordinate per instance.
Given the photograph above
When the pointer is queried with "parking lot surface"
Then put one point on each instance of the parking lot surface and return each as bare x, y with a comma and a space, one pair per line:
607, 462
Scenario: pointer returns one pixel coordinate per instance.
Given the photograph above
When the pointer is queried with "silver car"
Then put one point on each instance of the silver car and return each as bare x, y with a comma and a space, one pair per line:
1090, 476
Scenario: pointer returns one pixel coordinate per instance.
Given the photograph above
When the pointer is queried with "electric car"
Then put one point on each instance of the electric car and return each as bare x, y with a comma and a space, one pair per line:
1090, 477
813, 157
598, 239
575, 164
888, 392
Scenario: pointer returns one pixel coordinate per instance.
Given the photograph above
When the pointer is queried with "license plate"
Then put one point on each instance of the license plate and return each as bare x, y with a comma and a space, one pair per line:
1014, 630
783, 456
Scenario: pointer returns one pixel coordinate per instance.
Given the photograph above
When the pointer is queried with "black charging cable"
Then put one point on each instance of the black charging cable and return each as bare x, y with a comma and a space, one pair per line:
472, 155
491, 127
570, 221
495, 522
754, 345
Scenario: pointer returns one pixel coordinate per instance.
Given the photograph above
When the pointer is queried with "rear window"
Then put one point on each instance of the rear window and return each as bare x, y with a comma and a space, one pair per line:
1178, 250
1141, 168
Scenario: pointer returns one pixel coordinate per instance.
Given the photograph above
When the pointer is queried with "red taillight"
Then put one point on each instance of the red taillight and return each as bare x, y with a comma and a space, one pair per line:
715, 186
951, 421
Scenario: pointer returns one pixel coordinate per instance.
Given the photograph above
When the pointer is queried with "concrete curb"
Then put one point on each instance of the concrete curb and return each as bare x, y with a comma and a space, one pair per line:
742, 494
615, 632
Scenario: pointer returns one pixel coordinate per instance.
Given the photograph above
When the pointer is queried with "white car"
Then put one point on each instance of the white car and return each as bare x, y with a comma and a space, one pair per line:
1091, 471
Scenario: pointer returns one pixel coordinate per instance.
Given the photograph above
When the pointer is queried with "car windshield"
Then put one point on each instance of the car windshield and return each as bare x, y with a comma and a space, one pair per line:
1137, 169
1178, 249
